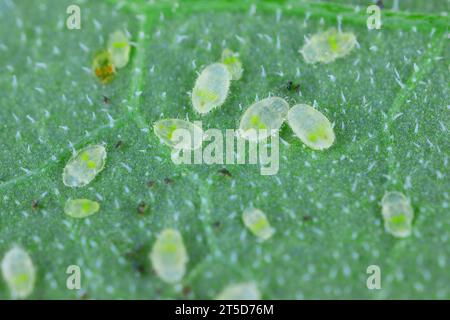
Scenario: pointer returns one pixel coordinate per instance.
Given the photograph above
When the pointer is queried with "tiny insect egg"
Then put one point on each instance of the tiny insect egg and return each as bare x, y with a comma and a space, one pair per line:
263, 118
211, 88
240, 291
327, 46
19, 272
233, 63
169, 256
179, 134
80, 208
311, 126
397, 214
119, 48
84, 166
256, 221
103, 67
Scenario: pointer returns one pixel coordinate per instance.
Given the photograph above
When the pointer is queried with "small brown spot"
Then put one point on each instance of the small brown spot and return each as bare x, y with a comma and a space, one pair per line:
224, 172
34, 204
168, 181
186, 290
106, 100
142, 207
84, 296
151, 184
307, 218
216, 225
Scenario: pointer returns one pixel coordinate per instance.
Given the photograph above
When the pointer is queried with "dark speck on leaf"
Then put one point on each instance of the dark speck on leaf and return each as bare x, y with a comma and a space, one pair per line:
225, 172
307, 218
106, 100
186, 290
34, 204
118, 144
291, 86
168, 181
151, 184
216, 224
142, 207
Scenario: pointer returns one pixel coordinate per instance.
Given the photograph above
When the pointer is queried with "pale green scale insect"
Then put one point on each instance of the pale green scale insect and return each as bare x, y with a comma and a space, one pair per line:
119, 47
211, 88
169, 256
19, 272
327, 46
84, 166
179, 134
264, 117
80, 208
256, 221
240, 291
397, 214
311, 126
233, 63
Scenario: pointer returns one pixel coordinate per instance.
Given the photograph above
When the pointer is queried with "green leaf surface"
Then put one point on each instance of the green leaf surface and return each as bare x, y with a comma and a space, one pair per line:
388, 100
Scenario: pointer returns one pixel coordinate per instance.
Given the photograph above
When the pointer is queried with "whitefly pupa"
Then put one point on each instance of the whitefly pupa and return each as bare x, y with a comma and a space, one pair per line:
179, 134
84, 166
19, 272
328, 46
169, 256
311, 126
211, 88
263, 118
397, 214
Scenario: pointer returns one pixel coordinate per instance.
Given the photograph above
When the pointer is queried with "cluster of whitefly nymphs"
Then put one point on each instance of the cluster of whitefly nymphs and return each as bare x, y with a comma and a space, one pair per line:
169, 256
116, 56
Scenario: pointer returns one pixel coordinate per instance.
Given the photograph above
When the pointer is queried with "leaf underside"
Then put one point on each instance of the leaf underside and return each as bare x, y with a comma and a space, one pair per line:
388, 100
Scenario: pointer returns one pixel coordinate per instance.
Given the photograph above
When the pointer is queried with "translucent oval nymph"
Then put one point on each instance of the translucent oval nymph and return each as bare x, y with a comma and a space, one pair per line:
84, 166
103, 67
397, 214
240, 291
80, 208
119, 48
233, 63
256, 221
19, 272
311, 126
263, 118
169, 256
327, 46
211, 88
179, 134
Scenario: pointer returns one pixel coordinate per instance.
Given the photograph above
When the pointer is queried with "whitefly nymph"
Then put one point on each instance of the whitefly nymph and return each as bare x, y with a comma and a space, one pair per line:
84, 166
211, 88
19, 272
397, 214
311, 126
263, 118
233, 63
80, 208
169, 256
240, 291
256, 221
119, 48
328, 46
179, 134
